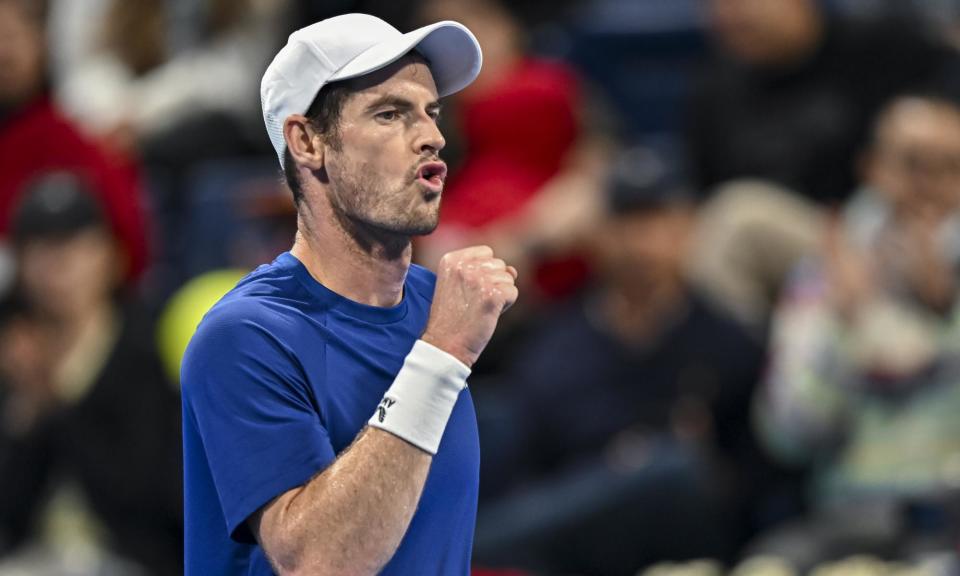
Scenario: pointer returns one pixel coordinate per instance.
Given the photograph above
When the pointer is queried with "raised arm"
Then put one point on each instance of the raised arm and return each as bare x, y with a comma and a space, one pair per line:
350, 519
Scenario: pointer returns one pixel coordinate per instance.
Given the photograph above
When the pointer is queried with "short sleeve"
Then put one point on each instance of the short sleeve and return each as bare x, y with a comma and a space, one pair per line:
257, 419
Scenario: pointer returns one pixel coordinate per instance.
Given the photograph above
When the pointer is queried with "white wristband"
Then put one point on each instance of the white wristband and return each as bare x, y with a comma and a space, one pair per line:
421, 398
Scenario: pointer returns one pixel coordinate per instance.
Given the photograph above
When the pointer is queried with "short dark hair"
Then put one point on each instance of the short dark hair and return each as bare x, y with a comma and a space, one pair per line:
324, 115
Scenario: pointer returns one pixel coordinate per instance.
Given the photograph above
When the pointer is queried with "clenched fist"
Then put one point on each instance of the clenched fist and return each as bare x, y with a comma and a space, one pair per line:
473, 289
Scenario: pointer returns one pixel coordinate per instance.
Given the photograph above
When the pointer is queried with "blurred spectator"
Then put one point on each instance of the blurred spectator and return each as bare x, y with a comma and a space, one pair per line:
89, 446
791, 92
629, 423
35, 137
529, 183
776, 123
175, 82
865, 377
130, 70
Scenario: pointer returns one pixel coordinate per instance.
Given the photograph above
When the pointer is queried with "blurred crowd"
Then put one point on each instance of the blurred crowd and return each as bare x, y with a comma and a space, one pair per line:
737, 222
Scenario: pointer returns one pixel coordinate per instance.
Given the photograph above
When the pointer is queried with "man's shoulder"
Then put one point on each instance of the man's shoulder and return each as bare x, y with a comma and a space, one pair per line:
259, 320
271, 299
266, 297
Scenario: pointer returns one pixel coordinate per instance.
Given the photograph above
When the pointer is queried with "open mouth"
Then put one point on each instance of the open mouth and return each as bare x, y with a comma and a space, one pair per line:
432, 175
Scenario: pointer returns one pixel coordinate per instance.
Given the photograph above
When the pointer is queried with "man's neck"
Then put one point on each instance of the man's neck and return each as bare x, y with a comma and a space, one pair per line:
368, 270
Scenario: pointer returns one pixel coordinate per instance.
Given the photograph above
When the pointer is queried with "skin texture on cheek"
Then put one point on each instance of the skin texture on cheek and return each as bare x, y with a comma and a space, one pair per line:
384, 197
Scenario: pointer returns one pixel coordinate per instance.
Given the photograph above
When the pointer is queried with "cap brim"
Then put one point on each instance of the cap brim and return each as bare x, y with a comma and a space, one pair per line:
453, 53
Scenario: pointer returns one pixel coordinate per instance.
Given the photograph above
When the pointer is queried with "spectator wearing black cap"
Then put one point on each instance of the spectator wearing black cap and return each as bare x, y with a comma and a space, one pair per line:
88, 425
632, 404
35, 138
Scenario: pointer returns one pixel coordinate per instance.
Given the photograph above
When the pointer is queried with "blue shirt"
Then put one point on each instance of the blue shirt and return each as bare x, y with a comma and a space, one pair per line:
280, 377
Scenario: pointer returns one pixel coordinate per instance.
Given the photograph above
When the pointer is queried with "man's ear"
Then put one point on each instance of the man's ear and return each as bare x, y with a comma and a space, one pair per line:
303, 141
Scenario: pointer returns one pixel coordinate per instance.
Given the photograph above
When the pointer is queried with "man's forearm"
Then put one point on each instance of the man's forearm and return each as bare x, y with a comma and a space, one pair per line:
351, 518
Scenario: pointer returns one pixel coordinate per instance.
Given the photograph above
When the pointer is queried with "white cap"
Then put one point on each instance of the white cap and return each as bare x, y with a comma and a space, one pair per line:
352, 45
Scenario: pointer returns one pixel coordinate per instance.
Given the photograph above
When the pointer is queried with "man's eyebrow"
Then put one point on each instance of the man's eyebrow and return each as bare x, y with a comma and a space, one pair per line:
399, 102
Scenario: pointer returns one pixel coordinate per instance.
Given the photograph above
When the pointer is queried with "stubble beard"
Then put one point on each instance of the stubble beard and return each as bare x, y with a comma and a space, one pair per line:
375, 217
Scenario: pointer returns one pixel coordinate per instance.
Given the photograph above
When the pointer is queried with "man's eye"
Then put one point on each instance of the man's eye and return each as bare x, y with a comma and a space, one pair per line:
388, 115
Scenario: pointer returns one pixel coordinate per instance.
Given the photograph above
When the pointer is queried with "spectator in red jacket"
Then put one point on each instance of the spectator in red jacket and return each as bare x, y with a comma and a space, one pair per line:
36, 138
529, 183
89, 426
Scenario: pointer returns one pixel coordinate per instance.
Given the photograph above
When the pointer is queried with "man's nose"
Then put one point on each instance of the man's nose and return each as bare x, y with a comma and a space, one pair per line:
430, 139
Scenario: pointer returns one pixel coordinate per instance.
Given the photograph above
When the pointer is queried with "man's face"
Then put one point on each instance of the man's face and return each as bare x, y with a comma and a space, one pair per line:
915, 163
645, 250
63, 277
384, 170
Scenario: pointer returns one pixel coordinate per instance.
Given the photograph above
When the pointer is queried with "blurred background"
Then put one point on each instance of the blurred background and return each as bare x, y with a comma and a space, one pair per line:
738, 229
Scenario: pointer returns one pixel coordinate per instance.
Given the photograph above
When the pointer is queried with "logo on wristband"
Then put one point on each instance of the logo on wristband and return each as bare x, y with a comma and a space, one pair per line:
382, 408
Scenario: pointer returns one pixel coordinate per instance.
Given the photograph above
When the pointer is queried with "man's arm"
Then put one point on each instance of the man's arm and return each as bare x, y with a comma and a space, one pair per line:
351, 518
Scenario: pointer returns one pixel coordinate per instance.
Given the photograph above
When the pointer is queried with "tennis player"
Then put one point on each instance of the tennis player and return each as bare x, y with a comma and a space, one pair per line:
327, 425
